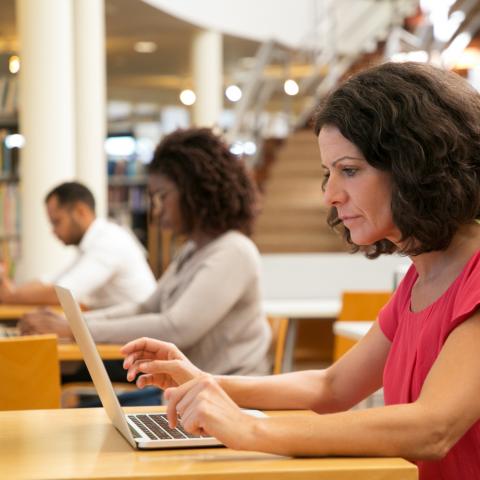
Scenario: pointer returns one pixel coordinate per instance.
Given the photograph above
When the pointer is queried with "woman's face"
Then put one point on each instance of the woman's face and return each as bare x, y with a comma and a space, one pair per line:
165, 203
360, 193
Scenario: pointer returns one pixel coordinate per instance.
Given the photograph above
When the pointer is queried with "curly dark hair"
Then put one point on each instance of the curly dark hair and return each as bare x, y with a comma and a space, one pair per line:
422, 125
216, 192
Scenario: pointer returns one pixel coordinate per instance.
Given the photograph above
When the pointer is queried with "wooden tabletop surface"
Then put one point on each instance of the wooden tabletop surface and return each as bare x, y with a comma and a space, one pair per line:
83, 444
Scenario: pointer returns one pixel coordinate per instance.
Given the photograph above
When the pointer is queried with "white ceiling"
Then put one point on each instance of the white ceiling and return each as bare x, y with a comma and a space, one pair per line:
158, 77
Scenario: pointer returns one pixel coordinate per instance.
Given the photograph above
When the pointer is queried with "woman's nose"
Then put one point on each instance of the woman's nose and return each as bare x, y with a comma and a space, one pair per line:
333, 194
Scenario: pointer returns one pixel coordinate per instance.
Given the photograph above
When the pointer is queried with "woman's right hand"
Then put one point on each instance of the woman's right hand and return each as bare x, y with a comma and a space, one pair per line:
159, 363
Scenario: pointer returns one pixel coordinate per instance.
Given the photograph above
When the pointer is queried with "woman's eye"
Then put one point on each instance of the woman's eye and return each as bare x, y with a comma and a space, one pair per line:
326, 176
349, 172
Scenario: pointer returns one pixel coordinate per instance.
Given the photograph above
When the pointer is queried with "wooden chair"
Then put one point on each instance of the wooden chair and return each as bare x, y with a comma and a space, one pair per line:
358, 306
29, 373
279, 326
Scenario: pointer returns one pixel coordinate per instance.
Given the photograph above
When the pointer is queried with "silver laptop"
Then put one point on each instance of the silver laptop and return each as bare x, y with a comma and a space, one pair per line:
143, 431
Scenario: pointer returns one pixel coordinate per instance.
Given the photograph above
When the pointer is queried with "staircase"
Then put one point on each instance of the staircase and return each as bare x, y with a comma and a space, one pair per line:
293, 217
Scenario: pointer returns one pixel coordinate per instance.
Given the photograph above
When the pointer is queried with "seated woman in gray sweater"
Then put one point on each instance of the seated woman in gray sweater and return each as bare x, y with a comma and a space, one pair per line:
208, 300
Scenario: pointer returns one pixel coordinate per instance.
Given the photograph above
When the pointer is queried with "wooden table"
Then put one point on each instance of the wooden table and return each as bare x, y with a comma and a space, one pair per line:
10, 313
68, 352
83, 444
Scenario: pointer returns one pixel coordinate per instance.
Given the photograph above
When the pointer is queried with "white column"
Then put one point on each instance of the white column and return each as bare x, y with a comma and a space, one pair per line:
207, 63
90, 119
46, 120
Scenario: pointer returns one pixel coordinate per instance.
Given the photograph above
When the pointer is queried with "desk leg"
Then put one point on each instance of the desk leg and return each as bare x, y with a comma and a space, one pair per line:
290, 341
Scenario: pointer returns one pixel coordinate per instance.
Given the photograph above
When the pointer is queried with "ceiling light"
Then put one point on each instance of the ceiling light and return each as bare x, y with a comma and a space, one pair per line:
291, 87
249, 148
237, 148
145, 47
455, 49
187, 97
233, 93
469, 58
15, 140
14, 64
415, 56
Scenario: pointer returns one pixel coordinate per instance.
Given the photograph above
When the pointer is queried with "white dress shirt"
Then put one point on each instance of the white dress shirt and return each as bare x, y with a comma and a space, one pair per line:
110, 268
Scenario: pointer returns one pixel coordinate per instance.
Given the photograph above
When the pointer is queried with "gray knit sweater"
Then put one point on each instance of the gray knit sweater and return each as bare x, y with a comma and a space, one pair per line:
207, 302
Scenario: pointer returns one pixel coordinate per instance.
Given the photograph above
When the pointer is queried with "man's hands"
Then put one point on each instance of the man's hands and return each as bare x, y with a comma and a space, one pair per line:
45, 321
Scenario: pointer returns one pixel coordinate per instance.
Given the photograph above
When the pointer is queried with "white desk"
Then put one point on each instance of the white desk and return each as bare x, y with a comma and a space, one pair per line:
303, 307
295, 309
352, 330
310, 285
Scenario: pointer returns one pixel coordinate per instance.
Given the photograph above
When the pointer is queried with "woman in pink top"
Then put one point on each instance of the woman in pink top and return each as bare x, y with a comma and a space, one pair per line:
400, 145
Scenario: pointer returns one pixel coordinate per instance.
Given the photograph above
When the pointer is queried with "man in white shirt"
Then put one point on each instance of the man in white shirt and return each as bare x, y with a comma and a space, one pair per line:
110, 267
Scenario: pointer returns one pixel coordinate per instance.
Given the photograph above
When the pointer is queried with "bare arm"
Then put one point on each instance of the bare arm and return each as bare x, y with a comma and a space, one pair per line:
427, 428
31, 293
356, 375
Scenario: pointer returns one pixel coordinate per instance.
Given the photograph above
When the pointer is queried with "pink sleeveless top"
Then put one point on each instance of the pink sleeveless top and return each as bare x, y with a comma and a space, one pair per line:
417, 338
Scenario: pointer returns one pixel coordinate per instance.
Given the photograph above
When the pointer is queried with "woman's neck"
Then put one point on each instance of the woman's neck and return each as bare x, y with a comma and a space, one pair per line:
452, 260
201, 238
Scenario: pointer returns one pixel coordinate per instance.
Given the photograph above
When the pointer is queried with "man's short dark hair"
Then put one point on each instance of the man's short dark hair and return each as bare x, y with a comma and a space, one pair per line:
216, 192
69, 193
422, 125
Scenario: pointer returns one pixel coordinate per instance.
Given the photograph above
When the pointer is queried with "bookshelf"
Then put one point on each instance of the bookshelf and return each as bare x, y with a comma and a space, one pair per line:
9, 174
127, 184
9, 199
127, 202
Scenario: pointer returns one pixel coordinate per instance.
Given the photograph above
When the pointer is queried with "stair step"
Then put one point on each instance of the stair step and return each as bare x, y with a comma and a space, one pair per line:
293, 215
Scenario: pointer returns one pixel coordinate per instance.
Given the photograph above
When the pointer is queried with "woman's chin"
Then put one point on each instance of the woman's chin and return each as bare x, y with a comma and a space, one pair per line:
363, 240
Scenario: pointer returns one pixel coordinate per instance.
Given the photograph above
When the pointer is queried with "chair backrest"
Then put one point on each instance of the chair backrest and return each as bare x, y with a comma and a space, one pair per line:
357, 306
362, 305
279, 326
29, 373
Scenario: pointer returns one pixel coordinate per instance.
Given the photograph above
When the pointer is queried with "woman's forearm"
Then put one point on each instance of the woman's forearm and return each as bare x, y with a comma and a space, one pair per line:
308, 390
402, 430
114, 312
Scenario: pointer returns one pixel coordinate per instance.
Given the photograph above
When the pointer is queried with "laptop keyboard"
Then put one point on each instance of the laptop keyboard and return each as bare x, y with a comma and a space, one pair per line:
155, 426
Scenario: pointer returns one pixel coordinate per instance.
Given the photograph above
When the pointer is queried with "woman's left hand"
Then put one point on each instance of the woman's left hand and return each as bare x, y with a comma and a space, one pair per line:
204, 408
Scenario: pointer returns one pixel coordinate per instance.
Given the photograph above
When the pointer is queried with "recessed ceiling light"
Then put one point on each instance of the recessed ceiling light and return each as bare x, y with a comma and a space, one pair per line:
291, 87
145, 47
188, 97
14, 64
233, 93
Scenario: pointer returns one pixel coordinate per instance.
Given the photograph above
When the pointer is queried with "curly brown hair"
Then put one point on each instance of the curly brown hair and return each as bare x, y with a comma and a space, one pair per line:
216, 192
422, 125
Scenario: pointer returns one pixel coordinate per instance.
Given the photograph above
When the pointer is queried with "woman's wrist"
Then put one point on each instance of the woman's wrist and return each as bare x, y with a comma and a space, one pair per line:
255, 433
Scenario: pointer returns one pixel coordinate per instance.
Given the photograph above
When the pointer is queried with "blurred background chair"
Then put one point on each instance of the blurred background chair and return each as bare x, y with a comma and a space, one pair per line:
357, 306
279, 326
29, 373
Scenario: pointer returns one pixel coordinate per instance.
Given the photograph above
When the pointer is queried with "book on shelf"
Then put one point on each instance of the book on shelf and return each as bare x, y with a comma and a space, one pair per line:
9, 226
8, 95
9, 201
9, 158
3, 91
